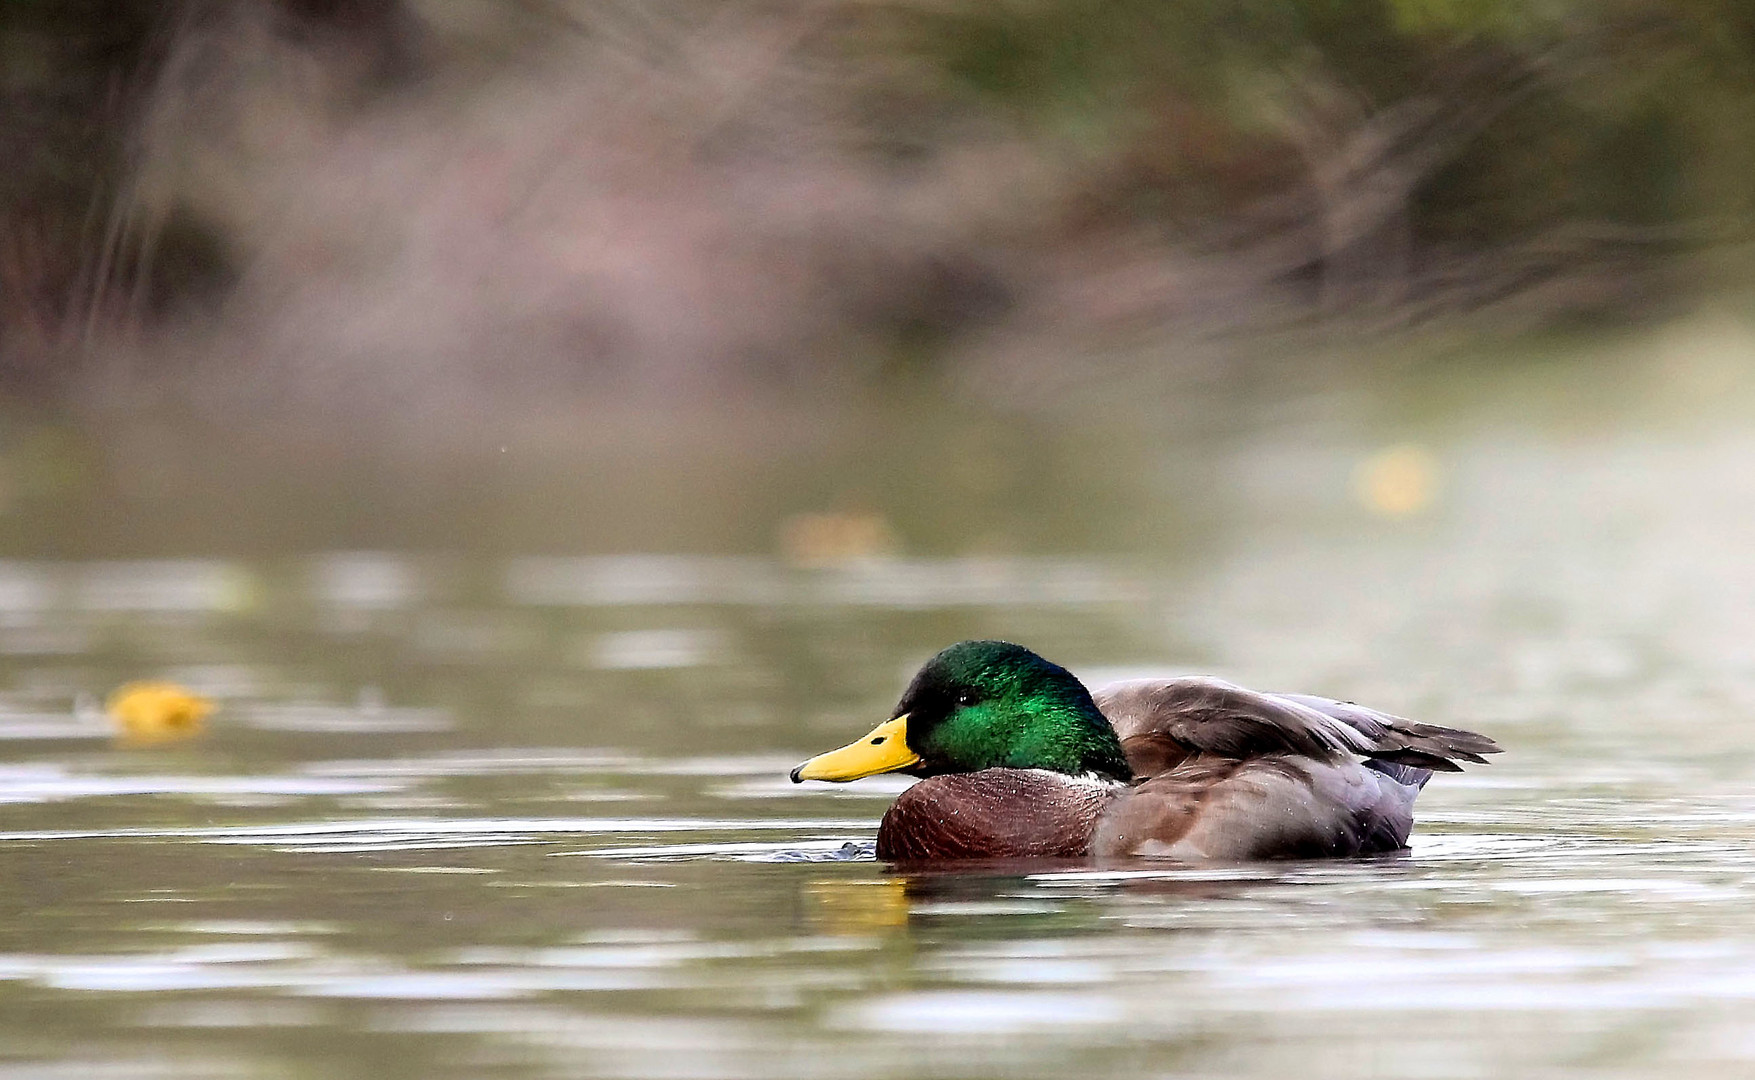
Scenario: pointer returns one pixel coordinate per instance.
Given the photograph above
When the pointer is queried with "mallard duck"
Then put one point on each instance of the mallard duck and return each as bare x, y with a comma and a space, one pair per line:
1019, 759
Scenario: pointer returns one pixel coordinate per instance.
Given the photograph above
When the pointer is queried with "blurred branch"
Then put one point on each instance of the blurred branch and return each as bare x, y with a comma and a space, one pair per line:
404, 193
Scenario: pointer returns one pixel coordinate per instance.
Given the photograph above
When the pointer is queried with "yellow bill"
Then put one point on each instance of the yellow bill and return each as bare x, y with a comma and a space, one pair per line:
884, 750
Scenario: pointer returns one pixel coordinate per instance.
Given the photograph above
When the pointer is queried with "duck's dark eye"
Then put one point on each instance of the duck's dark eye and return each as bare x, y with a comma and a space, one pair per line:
967, 697
879, 741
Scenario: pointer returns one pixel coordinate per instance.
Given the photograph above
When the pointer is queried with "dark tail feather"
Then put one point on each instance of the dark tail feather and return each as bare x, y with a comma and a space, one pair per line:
1449, 742
1421, 747
1410, 775
1418, 759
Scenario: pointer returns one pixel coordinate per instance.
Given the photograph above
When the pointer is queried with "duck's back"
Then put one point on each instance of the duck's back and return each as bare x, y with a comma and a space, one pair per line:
1228, 773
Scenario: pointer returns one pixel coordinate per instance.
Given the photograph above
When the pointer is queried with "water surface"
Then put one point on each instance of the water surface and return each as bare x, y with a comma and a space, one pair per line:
474, 811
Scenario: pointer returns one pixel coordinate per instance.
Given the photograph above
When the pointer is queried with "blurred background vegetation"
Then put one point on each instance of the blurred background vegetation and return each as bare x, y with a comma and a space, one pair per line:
300, 200
329, 222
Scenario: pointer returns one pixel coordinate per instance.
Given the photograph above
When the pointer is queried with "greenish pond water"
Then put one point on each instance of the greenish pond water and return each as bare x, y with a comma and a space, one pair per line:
484, 810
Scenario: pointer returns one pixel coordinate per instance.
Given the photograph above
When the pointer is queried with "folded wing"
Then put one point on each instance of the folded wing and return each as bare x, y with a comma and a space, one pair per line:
1164, 722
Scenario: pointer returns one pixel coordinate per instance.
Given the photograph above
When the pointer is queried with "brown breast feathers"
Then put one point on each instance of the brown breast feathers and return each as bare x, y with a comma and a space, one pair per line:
993, 813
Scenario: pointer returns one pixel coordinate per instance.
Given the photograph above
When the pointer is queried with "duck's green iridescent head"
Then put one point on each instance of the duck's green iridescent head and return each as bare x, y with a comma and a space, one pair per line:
983, 705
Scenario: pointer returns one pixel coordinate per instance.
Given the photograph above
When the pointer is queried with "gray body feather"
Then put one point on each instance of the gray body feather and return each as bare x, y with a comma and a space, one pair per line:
1223, 772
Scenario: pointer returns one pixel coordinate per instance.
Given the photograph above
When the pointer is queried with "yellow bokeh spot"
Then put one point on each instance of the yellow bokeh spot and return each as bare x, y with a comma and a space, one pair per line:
833, 539
157, 711
1397, 482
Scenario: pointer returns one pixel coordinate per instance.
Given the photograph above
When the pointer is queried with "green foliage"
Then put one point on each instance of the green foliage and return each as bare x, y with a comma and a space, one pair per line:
1497, 18
1624, 113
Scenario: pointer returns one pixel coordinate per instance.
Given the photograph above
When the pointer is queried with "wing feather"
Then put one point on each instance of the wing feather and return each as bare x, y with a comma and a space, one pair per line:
1163, 721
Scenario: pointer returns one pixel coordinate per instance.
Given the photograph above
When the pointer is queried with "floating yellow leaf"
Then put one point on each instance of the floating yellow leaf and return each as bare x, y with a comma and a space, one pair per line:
157, 711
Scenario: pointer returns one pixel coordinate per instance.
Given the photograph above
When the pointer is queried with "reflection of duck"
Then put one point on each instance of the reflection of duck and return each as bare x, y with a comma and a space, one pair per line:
858, 906
1022, 760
